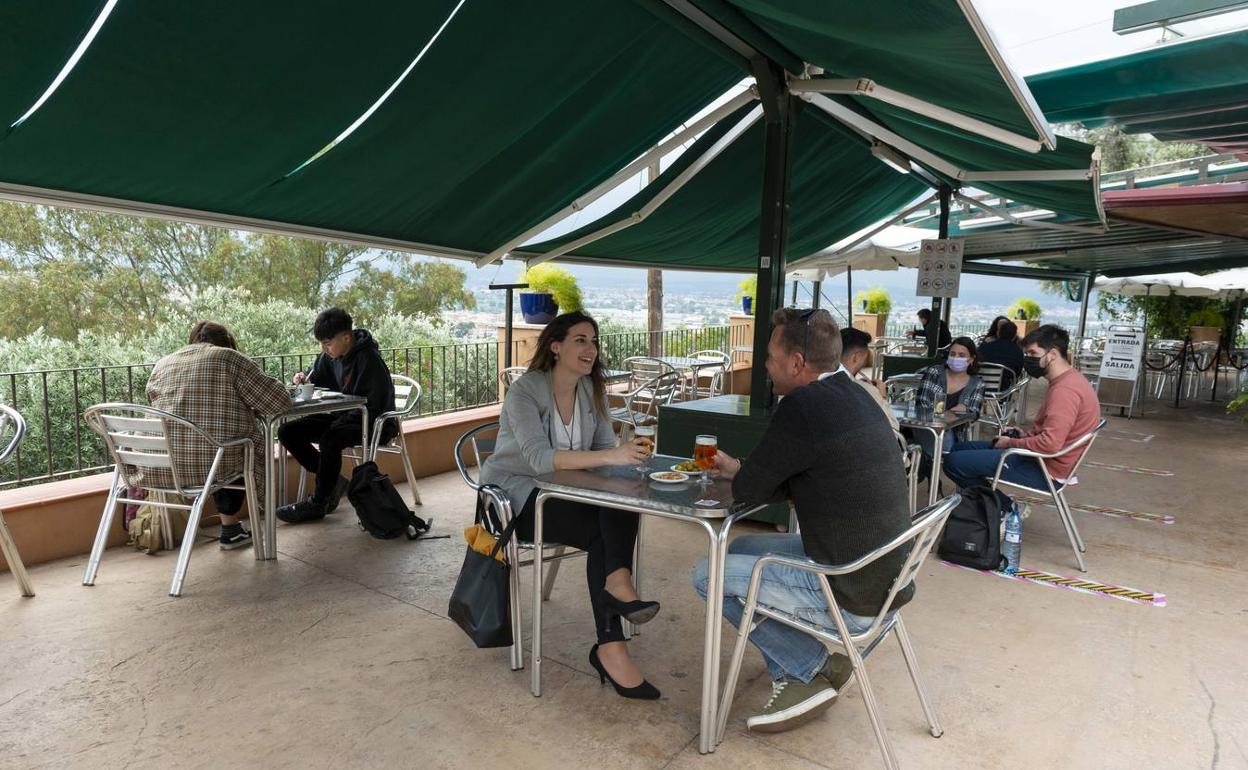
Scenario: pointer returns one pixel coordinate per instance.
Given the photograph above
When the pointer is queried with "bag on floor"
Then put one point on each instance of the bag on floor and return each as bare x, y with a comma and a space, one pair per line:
481, 601
147, 528
972, 535
379, 506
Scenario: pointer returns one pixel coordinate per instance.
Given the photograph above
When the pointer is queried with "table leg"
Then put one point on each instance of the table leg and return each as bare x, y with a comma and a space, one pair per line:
938, 455
538, 505
270, 491
710, 642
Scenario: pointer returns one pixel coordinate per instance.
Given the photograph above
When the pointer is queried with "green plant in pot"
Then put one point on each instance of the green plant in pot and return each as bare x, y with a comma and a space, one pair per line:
874, 300
747, 293
552, 290
1029, 307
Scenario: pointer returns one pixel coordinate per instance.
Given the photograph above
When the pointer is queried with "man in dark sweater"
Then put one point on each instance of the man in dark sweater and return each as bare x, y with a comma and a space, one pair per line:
831, 451
349, 363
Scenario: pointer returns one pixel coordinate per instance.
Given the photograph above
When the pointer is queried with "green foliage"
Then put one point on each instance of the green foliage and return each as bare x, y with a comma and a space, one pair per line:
65, 271
1208, 315
1239, 404
748, 288
1121, 151
559, 283
1030, 308
878, 300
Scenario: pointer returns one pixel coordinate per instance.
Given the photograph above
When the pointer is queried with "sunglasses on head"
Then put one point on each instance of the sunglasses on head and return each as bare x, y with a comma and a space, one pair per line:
804, 318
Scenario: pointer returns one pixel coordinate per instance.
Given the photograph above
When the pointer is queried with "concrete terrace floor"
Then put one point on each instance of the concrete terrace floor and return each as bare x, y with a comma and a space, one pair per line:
339, 654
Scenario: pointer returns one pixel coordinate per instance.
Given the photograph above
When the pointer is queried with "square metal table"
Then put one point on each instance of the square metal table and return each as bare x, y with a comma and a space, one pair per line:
275, 455
910, 416
709, 507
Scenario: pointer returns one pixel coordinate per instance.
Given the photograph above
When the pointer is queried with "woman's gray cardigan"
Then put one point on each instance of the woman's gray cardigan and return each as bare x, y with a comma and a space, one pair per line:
526, 434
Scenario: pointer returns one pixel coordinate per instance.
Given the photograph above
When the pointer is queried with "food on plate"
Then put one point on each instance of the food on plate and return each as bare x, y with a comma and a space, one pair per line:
688, 466
669, 476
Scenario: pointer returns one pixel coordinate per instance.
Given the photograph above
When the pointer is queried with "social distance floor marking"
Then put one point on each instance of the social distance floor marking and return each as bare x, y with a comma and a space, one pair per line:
1106, 590
1128, 435
1104, 510
1129, 469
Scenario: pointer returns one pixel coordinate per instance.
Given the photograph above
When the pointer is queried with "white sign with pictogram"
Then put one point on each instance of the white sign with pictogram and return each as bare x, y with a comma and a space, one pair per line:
940, 268
1124, 349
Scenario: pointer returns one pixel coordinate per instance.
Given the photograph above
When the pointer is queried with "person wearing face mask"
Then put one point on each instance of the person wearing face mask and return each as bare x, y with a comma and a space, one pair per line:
956, 386
1070, 411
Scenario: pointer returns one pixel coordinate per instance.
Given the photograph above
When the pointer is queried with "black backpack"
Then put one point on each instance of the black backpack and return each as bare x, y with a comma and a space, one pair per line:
972, 535
380, 508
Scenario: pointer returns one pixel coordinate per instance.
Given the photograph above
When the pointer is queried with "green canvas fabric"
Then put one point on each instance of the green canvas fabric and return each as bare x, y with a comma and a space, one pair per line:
515, 110
1190, 91
34, 43
837, 188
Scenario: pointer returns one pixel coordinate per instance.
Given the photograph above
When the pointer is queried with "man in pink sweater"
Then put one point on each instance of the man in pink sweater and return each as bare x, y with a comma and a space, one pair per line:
1070, 411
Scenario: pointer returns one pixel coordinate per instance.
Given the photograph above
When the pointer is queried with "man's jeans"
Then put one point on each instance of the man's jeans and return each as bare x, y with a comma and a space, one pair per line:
787, 651
971, 463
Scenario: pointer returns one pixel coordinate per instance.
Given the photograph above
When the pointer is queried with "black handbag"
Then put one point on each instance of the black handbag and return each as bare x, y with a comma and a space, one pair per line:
481, 601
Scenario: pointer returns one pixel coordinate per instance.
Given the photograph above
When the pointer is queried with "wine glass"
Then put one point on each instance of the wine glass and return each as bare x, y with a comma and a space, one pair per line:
705, 447
646, 432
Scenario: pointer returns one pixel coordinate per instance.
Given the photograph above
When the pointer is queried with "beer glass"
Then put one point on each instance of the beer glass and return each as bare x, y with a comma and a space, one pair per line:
705, 448
646, 432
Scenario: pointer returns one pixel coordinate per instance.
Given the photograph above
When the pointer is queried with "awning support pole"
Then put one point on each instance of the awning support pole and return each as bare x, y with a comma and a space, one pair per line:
780, 116
1086, 289
817, 291
849, 294
933, 321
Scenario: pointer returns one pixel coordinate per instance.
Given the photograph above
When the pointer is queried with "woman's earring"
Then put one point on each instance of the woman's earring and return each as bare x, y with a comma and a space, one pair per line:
556, 356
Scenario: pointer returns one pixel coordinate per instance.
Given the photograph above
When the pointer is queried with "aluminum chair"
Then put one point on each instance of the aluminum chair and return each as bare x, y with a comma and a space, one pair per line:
137, 440
902, 387
641, 405
1001, 408
11, 419
718, 364
507, 377
407, 395
918, 540
1056, 493
476, 445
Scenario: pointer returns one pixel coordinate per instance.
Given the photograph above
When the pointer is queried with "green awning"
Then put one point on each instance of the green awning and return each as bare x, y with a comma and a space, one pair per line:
837, 188
516, 109
1189, 91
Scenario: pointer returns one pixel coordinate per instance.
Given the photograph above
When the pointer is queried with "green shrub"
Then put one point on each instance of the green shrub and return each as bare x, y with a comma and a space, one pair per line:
878, 300
1206, 316
748, 288
559, 283
1031, 309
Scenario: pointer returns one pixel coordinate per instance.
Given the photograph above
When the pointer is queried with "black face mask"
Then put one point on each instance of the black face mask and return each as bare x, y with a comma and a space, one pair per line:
1031, 365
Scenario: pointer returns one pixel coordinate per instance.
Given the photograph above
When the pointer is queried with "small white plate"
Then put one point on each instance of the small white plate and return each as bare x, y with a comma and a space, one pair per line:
661, 477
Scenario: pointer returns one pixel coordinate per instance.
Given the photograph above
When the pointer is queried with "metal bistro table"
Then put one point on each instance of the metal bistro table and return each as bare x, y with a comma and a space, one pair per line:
275, 477
624, 488
910, 416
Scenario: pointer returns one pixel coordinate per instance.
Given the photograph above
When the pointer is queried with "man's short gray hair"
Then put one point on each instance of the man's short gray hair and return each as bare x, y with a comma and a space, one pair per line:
812, 333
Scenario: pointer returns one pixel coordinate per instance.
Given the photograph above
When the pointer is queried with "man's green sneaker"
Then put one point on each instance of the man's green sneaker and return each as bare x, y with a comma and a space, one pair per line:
837, 669
792, 703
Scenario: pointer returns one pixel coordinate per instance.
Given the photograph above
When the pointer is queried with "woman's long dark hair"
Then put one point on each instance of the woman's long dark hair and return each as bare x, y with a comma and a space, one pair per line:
557, 331
214, 334
969, 344
994, 327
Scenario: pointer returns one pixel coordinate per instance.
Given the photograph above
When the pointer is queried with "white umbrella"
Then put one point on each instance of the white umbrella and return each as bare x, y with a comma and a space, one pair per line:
1228, 284
889, 249
1162, 285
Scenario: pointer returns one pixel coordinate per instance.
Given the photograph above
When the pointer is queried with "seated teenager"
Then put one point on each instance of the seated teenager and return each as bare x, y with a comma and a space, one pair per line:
1070, 411
854, 353
954, 385
349, 363
1004, 349
555, 418
831, 451
211, 384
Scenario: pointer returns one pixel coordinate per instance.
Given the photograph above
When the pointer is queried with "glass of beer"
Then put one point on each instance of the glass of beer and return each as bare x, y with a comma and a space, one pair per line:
705, 448
646, 432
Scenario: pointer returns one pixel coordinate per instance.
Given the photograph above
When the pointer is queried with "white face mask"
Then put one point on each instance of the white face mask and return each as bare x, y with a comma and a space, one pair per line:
958, 364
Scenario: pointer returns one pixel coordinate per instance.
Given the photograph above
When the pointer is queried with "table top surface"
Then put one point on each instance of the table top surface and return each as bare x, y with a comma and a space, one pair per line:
324, 401
730, 405
910, 416
627, 486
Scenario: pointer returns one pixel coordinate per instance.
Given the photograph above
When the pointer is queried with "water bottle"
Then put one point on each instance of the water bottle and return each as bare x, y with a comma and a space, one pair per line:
1012, 547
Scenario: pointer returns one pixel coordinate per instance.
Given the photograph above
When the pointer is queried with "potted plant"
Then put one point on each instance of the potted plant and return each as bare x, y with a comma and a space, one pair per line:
1025, 313
874, 306
551, 290
747, 291
1205, 325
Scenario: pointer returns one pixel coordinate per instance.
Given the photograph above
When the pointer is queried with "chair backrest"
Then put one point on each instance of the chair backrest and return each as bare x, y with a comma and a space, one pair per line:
657, 392
718, 364
992, 376
1084, 441
900, 386
11, 420
407, 394
921, 536
644, 369
1007, 401
137, 439
475, 445
507, 377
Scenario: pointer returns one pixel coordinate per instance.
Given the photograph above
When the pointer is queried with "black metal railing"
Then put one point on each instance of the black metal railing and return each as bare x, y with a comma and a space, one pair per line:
454, 377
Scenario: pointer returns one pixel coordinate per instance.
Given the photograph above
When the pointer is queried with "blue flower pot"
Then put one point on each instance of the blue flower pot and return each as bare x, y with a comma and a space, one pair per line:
747, 305
538, 308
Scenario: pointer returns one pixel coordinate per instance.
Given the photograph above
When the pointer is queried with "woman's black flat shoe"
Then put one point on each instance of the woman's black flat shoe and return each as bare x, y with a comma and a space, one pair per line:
643, 691
635, 611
